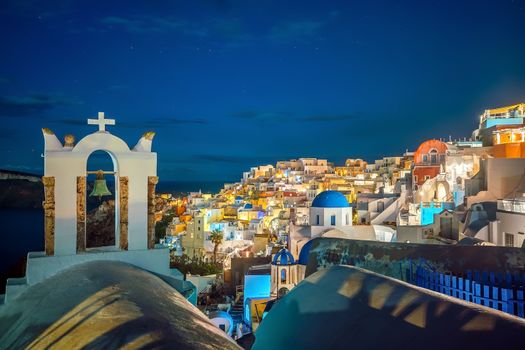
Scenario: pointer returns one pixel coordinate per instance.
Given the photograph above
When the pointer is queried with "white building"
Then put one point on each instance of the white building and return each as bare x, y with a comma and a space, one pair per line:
315, 166
330, 214
329, 209
509, 227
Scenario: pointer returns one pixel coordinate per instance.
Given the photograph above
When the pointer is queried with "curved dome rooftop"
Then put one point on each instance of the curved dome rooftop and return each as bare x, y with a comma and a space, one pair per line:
106, 305
344, 307
283, 257
305, 252
330, 199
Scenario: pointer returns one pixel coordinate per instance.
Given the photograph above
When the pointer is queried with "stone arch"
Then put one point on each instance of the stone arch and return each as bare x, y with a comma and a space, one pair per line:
101, 141
442, 191
111, 154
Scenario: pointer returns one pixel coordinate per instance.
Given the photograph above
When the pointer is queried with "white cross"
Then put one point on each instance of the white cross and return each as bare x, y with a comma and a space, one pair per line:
101, 122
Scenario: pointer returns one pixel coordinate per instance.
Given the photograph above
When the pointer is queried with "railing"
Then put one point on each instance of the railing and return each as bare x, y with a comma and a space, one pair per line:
512, 205
504, 292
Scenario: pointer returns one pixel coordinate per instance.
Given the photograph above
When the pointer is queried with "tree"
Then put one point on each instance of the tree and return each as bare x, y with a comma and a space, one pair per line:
162, 225
216, 238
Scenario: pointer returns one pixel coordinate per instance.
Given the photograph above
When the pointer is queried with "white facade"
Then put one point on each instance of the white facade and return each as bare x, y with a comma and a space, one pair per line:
330, 217
509, 228
314, 165
283, 276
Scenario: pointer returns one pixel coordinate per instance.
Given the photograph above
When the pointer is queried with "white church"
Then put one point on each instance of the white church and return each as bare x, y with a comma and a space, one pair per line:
74, 296
330, 215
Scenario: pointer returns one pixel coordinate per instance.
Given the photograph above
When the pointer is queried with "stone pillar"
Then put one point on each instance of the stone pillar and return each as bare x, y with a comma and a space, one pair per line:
49, 213
123, 205
81, 214
152, 182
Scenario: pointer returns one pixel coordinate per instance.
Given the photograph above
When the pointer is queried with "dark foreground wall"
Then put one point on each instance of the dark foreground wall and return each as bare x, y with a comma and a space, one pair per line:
345, 307
395, 259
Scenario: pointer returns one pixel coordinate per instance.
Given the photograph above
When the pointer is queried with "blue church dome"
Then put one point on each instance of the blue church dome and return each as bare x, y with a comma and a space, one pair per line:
305, 252
330, 199
248, 206
283, 257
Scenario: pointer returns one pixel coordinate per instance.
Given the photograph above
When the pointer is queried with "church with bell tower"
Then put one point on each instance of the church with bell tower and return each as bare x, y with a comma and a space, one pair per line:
65, 209
65, 174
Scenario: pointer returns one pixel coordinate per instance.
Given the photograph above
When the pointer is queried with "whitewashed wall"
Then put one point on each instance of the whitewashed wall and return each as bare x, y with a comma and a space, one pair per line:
66, 164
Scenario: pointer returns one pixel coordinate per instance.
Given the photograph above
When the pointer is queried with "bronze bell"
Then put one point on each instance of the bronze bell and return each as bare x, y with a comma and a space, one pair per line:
100, 189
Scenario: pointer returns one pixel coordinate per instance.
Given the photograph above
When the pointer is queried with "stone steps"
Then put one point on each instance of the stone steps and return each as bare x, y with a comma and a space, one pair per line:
236, 312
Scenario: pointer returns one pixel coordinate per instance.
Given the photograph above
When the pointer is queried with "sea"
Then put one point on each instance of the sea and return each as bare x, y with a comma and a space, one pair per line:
22, 230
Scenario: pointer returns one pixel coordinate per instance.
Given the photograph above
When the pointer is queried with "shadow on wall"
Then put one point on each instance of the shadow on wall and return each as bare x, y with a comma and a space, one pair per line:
345, 307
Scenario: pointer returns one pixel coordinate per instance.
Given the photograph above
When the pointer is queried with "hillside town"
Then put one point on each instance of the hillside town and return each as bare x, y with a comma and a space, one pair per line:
262, 175
429, 242
467, 191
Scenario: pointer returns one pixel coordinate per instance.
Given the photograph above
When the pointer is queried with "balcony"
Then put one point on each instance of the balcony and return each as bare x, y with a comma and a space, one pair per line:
512, 205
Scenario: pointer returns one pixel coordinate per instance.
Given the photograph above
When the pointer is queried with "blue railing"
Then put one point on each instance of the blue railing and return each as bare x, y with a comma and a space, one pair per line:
504, 292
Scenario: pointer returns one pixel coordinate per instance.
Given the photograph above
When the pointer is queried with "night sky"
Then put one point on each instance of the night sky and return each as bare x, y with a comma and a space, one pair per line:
229, 85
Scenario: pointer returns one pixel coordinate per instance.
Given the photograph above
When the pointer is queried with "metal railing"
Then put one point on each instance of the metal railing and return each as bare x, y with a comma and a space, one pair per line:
512, 205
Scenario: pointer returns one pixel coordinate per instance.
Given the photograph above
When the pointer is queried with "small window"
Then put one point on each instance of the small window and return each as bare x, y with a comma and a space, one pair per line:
332, 220
318, 220
427, 177
347, 220
433, 156
283, 276
509, 240
415, 178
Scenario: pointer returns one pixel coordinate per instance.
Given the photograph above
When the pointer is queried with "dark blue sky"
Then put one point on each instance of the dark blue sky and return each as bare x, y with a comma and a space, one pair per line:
228, 85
